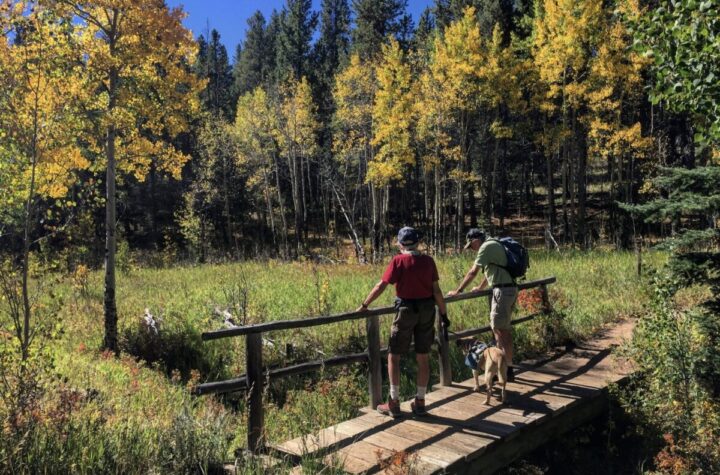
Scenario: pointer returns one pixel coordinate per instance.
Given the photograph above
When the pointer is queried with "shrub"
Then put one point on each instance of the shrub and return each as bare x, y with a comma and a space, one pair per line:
675, 390
174, 343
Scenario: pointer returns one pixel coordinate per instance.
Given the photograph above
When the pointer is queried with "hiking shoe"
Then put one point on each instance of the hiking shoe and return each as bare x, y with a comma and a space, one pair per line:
390, 408
418, 407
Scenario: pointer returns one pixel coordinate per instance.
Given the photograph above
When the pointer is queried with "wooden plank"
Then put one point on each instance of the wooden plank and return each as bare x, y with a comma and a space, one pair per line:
307, 444
452, 436
360, 457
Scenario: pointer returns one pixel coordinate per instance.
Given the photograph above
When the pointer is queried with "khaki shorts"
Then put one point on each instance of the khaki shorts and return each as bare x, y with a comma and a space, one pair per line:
414, 319
503, 299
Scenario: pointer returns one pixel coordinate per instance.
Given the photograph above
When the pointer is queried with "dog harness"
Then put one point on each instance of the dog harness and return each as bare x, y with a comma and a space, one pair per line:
475, 353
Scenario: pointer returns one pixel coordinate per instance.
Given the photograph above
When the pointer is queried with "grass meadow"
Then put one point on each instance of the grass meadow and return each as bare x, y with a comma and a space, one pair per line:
135, 414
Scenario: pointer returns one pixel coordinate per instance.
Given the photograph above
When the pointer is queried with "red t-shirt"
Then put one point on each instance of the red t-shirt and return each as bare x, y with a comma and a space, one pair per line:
413, 276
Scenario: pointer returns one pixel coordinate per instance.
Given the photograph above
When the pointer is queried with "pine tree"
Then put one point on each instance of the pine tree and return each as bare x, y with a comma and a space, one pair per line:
448, 11
331, 50
423, 33
374, 21
333, 45
495, 12
212, 65
252, 59
297, 25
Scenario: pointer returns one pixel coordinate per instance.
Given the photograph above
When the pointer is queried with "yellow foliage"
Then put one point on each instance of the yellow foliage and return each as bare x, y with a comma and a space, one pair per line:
458, 61
39, 122
255, 129
136, 55
615, 86
354, 95
564, 32
297, 125
392, 118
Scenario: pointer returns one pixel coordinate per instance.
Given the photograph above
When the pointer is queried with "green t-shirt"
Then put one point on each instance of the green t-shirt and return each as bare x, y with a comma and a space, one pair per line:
490, 257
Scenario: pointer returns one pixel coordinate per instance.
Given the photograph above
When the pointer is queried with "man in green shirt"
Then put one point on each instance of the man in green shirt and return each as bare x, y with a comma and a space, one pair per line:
492, 261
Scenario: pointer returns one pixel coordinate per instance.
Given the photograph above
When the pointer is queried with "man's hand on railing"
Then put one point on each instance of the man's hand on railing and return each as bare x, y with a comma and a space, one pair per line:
444, 325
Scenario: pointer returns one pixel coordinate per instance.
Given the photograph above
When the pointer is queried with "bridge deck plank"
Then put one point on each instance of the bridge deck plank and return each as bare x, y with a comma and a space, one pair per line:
461, 429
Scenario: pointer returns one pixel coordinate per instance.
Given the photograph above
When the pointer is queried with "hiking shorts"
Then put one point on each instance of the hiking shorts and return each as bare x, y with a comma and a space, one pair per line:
414, 319
503, 299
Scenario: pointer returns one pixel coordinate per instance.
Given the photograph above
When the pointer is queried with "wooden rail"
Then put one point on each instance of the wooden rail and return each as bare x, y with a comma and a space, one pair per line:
254, 377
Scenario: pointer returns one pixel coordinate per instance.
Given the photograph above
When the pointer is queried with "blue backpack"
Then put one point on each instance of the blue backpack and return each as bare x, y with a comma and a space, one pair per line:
518, 259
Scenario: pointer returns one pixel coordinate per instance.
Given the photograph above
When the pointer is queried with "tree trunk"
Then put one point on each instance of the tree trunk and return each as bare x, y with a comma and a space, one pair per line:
110, 342
359, 251
295, 177
581, 226
268, 203
437, 216
29, 212
460, 214
376, 235
284, 229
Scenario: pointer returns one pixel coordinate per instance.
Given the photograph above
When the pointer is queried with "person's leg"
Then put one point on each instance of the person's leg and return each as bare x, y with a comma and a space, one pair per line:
423, 369
503, 337
394, 375
400, 337
500, 321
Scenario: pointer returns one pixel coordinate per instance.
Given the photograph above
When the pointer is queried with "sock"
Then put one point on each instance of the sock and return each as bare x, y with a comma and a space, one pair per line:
394, 391
420, 392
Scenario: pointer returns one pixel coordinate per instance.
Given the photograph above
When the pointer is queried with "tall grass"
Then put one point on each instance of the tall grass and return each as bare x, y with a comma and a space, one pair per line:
134, 417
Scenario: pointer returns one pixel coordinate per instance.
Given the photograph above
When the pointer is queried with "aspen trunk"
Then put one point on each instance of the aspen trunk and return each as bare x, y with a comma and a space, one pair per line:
110, 342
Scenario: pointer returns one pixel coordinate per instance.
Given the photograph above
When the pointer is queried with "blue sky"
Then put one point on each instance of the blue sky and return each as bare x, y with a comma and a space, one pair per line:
229, 17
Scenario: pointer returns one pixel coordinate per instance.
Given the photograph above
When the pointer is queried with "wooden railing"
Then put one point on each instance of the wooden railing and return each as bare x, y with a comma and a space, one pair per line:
255, 376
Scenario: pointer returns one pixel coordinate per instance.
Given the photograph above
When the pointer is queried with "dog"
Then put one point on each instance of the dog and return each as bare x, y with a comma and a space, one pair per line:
493, 359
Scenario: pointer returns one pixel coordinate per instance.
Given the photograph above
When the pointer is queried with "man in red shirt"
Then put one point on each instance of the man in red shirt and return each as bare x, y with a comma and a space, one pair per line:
415, 277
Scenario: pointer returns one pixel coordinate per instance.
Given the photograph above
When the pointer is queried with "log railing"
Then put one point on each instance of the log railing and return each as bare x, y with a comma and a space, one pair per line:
255, 377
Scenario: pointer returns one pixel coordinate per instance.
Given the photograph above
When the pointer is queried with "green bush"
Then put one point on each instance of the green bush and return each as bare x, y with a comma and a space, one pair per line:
674, 392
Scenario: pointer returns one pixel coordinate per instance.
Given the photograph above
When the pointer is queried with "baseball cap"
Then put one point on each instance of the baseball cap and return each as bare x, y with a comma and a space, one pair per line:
408, 236
474, 233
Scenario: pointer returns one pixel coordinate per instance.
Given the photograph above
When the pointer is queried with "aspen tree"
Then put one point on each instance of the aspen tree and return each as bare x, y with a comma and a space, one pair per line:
565, 32
296, 136
136, 57
39, 152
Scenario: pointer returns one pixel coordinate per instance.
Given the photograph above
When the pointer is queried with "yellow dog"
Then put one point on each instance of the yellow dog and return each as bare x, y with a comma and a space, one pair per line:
493, 359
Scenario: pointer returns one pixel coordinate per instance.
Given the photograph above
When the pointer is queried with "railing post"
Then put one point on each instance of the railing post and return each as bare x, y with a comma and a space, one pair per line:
256, 413
545, 298
444, 353
374, 361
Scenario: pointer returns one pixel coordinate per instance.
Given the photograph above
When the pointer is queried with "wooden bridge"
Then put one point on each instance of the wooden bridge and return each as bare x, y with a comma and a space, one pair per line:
461, 434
